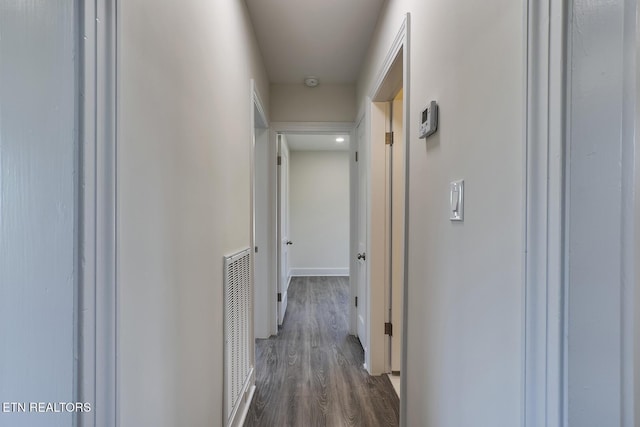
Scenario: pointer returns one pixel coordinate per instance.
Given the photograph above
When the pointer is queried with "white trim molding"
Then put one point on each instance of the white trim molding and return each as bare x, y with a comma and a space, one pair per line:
395, 48
97, 288
312, 127
255, 105
406, 111
545, 129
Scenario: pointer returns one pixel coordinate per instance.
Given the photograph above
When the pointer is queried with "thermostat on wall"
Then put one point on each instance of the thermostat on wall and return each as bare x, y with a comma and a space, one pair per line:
428, 120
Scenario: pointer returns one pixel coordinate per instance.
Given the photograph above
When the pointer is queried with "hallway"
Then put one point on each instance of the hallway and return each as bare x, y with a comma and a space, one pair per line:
311, 374
143, 249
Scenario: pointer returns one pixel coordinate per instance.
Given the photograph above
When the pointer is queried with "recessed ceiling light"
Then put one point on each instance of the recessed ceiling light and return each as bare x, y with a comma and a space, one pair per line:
339, 139
311, 81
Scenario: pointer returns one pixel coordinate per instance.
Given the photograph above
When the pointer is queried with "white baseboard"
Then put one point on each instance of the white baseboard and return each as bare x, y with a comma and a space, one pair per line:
245, 410
300, 272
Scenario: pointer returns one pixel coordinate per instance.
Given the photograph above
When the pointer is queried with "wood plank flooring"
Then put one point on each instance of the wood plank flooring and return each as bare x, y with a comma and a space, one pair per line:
311, 374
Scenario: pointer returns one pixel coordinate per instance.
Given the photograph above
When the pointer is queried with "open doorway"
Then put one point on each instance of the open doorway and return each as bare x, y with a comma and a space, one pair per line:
318, 194
313, 367
311, 198
271, 217
313, 210
381, 217
394, 220
386, 232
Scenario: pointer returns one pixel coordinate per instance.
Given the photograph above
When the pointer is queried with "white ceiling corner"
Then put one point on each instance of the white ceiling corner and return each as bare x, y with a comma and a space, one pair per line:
323, 38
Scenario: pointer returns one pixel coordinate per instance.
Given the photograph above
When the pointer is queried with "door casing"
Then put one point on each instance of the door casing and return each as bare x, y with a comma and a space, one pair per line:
262, 257
97, 288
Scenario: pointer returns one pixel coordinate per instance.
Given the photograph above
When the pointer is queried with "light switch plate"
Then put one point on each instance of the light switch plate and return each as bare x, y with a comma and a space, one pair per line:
456, 200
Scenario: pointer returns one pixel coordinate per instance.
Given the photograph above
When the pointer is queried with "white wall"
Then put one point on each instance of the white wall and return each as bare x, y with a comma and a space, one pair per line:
465, 331
324, 103
319, 212
184, 143
38, 175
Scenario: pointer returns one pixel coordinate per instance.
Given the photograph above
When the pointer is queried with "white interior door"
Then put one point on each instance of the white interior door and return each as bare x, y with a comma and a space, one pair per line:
262, 270
283, 227
362, 240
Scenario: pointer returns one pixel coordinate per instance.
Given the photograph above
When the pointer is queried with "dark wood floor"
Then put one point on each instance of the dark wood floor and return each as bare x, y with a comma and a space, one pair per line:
311, 374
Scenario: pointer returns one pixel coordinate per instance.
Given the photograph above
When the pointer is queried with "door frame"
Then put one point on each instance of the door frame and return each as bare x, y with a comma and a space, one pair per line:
375, 361
310, 128
256, 105
384, 251
281, 306
97, 292
548, 187
545, 130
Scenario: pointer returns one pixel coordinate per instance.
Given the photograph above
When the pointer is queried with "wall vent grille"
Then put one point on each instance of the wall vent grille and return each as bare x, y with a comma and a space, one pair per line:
237, 316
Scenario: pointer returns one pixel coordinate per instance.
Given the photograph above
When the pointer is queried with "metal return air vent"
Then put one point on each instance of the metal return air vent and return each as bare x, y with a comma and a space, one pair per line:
237, 310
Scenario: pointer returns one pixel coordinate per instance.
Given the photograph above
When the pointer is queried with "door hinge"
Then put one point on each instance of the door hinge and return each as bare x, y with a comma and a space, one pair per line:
388, 138
279, 297
256, 249
388, 328
356, 156
356, 301
279, 160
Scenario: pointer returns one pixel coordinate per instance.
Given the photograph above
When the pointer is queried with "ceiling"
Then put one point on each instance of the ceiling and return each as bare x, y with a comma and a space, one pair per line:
307, 142
323, 38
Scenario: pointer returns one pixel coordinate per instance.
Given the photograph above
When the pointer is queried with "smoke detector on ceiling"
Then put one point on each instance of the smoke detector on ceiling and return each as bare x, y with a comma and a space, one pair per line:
311, 81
